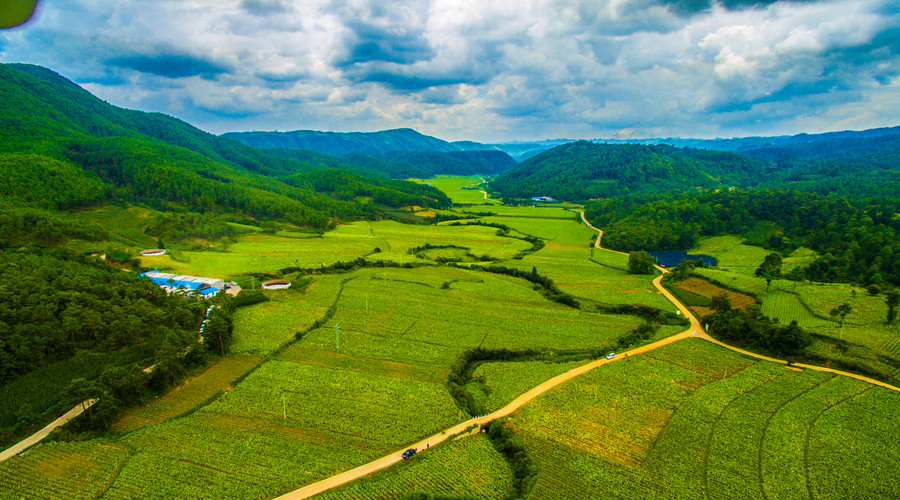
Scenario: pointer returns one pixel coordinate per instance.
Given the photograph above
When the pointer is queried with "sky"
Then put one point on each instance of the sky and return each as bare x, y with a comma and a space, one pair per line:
487, 71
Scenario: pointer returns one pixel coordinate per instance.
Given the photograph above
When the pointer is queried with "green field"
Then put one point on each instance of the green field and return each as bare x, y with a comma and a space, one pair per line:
189, 394
453, 186
664, 426
355, 365
260, 328
495, 384
469, 468
731, 253
865, 343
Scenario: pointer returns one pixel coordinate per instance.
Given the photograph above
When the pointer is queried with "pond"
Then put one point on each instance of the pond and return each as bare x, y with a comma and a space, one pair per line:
671, 258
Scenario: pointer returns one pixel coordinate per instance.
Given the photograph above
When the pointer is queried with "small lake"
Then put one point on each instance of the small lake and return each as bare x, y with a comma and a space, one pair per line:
671, 258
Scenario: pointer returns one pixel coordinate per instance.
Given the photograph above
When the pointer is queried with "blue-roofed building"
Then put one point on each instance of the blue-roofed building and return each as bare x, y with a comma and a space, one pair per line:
189, 285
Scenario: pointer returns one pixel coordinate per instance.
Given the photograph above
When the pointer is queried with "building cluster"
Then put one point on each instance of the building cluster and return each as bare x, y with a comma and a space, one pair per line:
189, 286
545, 199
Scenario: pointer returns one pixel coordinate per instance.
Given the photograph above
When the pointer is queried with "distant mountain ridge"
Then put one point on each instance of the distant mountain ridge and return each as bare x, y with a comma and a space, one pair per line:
344, 143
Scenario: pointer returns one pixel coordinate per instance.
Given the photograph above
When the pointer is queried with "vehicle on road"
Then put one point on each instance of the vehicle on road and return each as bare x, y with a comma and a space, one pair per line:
409, 453
611, 355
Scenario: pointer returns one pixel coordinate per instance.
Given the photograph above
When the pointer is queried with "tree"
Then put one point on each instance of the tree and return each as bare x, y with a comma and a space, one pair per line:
892, 299
720, 303
80, 390
769, 269
842, 310
640, 263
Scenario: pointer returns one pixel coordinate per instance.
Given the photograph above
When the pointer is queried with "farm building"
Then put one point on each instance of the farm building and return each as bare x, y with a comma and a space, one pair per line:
545, 199
207, 287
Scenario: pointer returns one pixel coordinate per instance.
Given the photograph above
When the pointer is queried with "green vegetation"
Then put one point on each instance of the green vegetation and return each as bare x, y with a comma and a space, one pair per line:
467, 468
396, 331
194, 391
495, 384
690, 419
583, 170
854, 239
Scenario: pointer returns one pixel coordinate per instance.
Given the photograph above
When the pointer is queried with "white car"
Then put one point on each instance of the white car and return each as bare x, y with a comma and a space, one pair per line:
611, 355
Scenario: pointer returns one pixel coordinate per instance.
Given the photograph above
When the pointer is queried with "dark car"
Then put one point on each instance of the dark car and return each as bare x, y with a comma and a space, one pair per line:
409, 453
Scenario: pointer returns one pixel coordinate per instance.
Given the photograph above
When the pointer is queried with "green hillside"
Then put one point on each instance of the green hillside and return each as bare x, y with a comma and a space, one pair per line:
584, 170
51, 127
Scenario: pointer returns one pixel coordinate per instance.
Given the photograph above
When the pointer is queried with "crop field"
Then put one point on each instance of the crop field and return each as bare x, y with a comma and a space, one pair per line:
258, 252
865, 342
399, 319
732, 254
495, 384
751, 430
468, 468
787, 307
64, 471
192, 392
703, 289
260, 328
525, 211
798, 259
571, 269
452, 186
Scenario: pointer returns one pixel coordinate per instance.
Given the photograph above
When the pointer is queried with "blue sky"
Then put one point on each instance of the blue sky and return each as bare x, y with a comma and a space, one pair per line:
485, 71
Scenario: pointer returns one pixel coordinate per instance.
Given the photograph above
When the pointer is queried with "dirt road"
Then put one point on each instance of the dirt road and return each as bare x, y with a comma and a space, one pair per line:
41, 434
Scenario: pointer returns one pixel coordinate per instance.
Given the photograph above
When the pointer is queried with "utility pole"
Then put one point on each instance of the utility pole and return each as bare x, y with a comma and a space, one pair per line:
337, 338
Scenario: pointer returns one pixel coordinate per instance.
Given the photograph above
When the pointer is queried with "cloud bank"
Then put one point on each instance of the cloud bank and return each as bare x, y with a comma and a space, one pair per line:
485, 71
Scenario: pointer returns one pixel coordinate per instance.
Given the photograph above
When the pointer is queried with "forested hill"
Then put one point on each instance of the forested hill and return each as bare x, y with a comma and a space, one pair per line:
856, 240
406, 164
853, 167
584, 170
49, 127
342, 143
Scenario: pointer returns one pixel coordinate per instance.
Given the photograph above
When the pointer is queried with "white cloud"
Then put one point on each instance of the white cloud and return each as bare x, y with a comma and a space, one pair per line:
466, 69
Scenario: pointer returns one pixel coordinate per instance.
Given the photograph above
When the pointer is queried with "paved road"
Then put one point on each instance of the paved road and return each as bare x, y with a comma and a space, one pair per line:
41, 434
